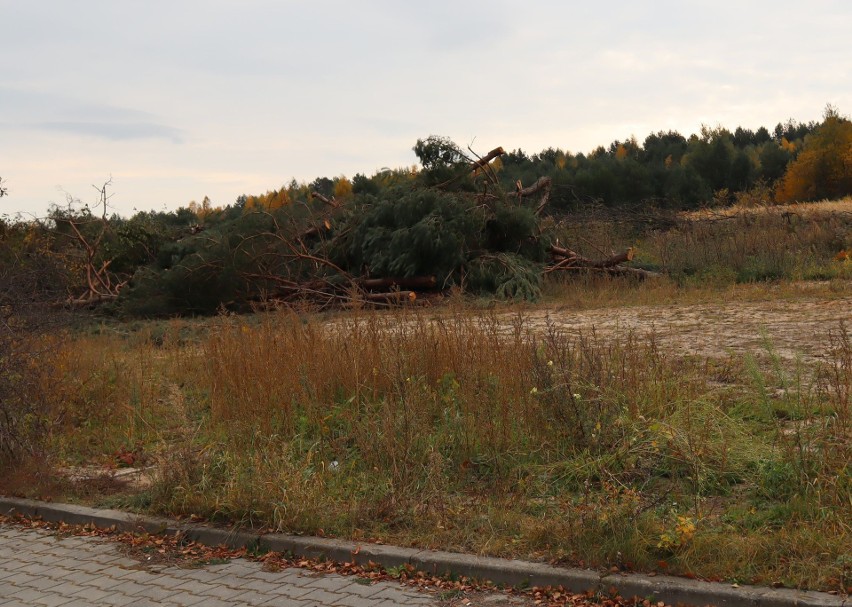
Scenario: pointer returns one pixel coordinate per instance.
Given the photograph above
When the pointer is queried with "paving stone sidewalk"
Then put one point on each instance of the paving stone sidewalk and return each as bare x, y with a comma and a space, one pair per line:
38, 568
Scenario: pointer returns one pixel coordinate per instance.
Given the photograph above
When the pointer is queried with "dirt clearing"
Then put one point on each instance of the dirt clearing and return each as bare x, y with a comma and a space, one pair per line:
792, 328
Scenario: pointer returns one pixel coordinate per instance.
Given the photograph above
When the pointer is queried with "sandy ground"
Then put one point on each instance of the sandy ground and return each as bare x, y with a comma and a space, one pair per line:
794, 328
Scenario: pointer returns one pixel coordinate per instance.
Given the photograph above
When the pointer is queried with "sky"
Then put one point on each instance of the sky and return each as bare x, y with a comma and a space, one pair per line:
180, 99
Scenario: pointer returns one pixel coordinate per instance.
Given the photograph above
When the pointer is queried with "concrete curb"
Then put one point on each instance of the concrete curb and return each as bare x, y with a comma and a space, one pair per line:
671, 590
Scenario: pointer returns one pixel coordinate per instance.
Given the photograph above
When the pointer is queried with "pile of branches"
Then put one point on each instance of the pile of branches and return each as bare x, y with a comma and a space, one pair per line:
460, 229
451, 225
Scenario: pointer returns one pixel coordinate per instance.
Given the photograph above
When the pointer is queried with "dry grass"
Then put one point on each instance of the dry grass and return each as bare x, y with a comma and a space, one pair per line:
463, 431
476, 429
808, 210
711, 254
744, 245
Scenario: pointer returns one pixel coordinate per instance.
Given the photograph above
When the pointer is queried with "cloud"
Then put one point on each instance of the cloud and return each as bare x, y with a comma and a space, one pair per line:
115, 131
25, 109
169, 95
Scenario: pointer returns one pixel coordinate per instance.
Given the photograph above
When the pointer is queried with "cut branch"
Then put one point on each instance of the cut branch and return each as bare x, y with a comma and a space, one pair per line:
486, 160
568, 260
99, 281
484, 163
329, 201
542, 184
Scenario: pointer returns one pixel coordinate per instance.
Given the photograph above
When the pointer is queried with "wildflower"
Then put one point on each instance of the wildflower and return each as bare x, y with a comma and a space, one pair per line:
550, 363
534, 391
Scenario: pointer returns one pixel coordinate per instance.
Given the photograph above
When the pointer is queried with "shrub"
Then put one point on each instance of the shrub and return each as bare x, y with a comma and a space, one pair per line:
30, 279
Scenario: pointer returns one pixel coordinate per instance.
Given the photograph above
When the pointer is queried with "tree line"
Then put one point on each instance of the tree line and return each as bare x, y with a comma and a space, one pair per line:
454, 220
667, 169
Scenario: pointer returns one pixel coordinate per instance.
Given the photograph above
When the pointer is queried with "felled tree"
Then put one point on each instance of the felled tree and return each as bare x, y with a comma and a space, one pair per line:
409, 232
246, 257
451, 223
456, 224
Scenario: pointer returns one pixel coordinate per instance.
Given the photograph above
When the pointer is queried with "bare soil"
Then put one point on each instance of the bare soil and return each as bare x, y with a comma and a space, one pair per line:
794, 329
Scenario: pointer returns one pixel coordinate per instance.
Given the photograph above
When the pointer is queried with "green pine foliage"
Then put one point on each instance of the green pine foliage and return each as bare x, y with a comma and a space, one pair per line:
410, 233
505, 275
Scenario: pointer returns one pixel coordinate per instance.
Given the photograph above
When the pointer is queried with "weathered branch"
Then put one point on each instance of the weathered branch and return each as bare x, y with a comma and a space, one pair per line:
88, 300
103, 198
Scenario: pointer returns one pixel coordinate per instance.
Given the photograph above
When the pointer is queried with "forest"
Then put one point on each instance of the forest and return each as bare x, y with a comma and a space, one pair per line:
492, 224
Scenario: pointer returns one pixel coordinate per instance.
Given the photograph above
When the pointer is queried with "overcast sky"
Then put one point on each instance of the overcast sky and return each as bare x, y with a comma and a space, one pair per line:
180, 99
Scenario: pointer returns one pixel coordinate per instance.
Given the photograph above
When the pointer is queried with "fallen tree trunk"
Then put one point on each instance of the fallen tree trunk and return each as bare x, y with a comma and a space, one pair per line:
568, 260
413, 282
391, 297
567, 257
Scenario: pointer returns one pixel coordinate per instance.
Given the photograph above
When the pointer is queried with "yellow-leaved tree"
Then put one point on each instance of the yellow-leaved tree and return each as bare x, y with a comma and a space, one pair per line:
203, 210
823, 168
273, 199
342, 189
